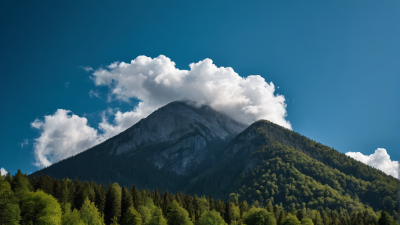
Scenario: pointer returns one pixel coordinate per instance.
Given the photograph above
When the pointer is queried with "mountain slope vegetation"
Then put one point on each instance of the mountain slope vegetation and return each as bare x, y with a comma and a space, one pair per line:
269, 163
199, 151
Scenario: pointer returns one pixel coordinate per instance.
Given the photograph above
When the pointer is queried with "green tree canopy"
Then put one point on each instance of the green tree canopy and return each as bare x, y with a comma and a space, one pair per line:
258, 216
90, 214
291, 220
157, 218
178, 215
132, 217
71, 218
306, 221
9, 209
39, 208
211, 218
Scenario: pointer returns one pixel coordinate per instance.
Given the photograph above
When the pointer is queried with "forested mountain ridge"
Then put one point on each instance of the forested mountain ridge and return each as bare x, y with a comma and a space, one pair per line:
269, 163
265, 163
164, 150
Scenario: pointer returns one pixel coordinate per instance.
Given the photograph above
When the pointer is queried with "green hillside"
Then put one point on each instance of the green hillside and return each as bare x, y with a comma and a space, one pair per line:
268, 163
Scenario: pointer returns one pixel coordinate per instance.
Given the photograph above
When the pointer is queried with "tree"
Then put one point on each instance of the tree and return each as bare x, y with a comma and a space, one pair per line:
71, 218
145, 214
233, 212
20, 184
385, 218
9, 209
39, 208
291, 220
136, 197
306, 221
100, 199
258, 216
157, 218
126, 201
211, 218
112, 206
132, 217
90, 214
8, 177
178, 215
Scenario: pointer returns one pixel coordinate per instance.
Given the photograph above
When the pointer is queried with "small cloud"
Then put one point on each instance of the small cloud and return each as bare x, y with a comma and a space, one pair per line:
66, 84
379, 160
22, 144
3, 171
87, 68
95, 93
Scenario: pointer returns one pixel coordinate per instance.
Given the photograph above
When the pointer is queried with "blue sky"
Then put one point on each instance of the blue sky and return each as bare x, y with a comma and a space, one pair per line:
335, 62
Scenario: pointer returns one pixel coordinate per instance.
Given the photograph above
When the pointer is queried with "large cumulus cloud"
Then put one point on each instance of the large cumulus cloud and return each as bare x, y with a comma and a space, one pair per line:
156, 82
379, 160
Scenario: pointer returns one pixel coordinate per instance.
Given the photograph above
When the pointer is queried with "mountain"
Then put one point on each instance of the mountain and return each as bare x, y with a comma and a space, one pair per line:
199, 151
269, 163
165, 150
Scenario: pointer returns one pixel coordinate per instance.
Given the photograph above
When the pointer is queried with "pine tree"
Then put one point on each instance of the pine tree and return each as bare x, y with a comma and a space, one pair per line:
20, 185
220, 207
113, 203
8, 177
100, 199
156, 198
80, 195
227, 214
126, 202
89, 213
57, 190
45, 183
136, 197
132, 217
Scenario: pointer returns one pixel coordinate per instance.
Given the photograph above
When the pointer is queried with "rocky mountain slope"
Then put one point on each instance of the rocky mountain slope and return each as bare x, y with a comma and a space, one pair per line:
174, 144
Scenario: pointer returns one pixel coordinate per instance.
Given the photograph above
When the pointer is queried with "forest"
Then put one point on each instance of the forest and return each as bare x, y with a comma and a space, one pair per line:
44, 201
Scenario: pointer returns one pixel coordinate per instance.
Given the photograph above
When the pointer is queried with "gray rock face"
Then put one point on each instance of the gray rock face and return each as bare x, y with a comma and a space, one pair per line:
178, 137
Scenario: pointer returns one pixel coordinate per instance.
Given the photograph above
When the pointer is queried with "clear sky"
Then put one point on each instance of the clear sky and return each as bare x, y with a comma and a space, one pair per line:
335, 62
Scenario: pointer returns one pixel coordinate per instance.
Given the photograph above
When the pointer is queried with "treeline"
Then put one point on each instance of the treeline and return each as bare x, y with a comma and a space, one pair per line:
43, 200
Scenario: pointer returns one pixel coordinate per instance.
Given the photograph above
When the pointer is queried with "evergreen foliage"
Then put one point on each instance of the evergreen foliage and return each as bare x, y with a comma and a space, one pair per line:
38, 207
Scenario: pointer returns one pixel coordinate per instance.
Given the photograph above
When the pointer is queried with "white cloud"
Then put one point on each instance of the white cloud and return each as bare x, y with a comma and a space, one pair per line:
379, 160
93, 94
87, 68
66, 84
3, 171
62, 135
157, 82
22, 144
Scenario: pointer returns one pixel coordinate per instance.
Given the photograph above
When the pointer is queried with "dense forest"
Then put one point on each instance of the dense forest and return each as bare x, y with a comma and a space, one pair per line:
268, 163
43, 200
